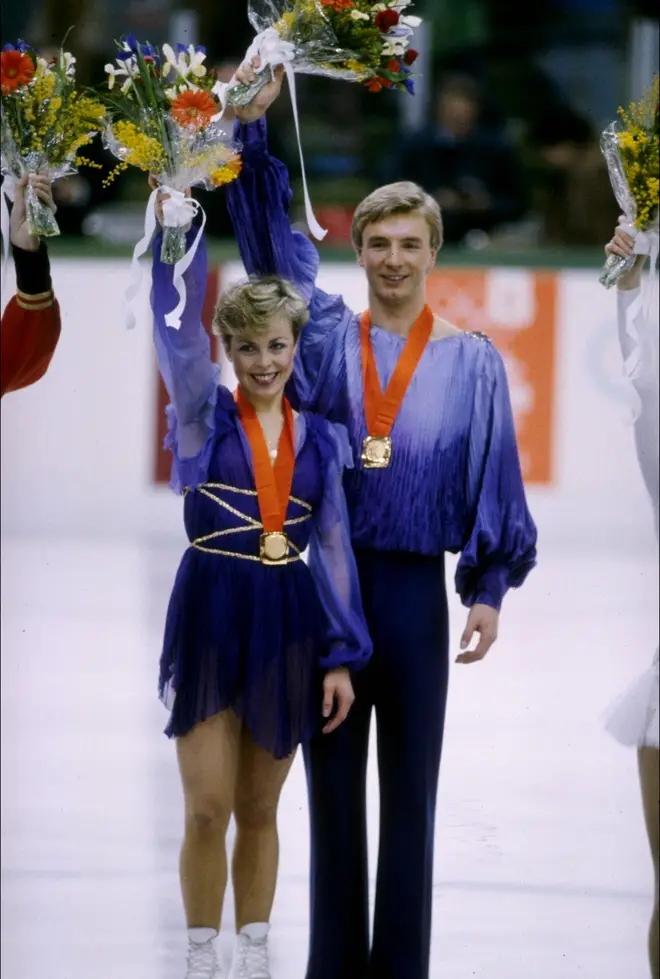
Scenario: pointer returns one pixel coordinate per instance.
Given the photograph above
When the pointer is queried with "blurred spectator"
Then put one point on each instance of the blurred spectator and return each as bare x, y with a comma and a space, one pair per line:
574, 197
582, 52
472, 171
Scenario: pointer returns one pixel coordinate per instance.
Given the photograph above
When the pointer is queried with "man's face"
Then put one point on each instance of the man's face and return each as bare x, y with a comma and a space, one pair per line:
457, 113
397, 256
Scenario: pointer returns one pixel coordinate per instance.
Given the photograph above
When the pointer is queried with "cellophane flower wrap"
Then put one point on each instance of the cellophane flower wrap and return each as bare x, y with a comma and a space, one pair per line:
353, 40
630, 147
165, 119
45, 124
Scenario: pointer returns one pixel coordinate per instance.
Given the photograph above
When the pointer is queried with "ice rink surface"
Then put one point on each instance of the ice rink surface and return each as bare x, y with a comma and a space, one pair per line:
541, 868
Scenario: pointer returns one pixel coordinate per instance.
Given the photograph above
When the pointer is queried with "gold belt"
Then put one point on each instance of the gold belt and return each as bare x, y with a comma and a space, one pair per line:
266, 540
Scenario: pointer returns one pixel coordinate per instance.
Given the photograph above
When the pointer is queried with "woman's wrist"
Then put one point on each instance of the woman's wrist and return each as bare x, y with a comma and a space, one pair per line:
632, 279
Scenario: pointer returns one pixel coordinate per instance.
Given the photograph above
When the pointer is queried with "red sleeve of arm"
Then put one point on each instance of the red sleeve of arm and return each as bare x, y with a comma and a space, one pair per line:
30, 323
29, 338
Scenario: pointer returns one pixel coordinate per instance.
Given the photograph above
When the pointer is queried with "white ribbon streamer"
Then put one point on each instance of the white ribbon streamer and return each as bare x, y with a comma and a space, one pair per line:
313, 225
178, 212
7, 193
272, 50
173, 319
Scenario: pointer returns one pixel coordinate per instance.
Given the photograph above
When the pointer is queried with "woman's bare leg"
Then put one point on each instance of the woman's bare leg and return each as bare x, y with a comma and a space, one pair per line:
649, 775
208, 761
256, 855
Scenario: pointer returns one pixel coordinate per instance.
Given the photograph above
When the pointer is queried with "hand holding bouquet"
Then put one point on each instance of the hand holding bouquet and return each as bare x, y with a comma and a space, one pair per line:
19, 225
166, 121
45, 124
353, 40
630, 147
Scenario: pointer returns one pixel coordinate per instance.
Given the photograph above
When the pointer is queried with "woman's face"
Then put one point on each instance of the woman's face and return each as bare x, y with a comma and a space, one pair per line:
263, 359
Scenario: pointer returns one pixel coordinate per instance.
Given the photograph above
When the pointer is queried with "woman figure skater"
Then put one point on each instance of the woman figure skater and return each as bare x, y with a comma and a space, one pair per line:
251, 628
634, 719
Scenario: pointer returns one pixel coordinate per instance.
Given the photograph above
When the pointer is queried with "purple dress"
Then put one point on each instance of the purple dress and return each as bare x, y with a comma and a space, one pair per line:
238, 633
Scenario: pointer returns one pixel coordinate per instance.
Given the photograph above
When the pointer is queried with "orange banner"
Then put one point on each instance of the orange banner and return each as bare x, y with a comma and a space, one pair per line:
517, 309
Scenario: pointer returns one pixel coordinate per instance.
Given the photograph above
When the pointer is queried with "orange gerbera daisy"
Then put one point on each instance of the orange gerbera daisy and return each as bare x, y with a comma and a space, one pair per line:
227, 172
194, 109
16, 69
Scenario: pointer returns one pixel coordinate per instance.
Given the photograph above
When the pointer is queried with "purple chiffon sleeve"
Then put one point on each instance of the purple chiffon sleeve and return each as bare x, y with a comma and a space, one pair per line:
332, 564
184, 360
501, 548
258, 203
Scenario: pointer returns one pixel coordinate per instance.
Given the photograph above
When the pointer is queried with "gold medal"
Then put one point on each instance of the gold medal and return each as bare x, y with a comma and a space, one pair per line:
272, 479
376, 451
381, 408
273, 547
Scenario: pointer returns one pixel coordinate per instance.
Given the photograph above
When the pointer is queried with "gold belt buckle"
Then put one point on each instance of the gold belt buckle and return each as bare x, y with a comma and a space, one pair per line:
273, 547
376, 451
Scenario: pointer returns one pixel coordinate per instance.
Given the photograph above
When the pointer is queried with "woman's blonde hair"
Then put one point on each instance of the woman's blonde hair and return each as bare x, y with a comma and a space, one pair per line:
403, 197
251, 304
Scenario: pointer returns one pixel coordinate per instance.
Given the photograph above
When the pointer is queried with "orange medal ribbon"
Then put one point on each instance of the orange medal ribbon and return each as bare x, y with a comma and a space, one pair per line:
381, 408
273, 482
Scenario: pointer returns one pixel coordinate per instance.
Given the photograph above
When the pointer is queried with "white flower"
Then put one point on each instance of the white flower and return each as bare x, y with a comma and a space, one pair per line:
394, 46
359, 15
127, 69
171, 93
188, 62
69, 62
197, 68
114, 73
377, 7
411, 21
42, 68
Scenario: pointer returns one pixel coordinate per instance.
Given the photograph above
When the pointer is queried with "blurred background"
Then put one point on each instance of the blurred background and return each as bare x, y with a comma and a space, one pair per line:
542, 865
504, 128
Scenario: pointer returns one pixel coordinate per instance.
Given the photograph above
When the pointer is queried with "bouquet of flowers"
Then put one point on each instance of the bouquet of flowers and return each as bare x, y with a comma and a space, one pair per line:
165, 119
630, 147
45, 123
354, 40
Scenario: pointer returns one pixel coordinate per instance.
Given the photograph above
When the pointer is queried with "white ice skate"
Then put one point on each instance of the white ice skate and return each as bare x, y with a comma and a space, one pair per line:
251, 953
203, 960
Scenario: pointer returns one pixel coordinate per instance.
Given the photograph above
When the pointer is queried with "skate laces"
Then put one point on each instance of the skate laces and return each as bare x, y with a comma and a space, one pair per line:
202, 961
253, 958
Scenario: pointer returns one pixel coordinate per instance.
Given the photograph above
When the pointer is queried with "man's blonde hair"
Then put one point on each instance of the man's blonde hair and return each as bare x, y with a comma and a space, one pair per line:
403, 197
251, 304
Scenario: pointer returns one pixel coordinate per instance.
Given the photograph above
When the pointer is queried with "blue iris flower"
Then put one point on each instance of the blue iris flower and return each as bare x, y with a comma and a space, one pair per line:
132, 42
21, 46
134, 46
183, 48
409, 85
